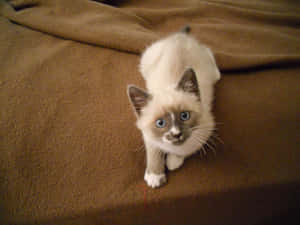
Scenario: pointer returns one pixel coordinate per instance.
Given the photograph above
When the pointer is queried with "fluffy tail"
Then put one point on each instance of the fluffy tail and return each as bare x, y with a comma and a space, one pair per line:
186, 29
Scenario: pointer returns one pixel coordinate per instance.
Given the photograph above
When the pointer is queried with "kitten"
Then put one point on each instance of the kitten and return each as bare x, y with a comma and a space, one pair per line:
174, 115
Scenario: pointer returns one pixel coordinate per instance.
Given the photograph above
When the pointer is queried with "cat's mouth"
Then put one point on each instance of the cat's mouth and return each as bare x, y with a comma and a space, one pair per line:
176, 141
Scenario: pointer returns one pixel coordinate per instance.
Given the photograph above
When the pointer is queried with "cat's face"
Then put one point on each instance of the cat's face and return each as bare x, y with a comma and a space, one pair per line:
171, 116
174, 126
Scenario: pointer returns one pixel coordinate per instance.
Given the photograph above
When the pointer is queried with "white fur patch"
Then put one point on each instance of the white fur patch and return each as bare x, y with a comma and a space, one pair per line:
174, 162
155, 180
175, 130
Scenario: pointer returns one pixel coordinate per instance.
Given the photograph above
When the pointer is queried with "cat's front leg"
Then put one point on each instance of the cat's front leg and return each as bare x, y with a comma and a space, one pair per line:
174, 161
155, 172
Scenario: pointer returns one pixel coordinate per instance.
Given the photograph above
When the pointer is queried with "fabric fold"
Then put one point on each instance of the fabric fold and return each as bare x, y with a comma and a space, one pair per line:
85, 21
267, 35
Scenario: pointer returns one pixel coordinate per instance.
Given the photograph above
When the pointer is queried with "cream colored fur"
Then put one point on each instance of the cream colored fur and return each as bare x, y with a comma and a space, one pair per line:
164, 62
162, 66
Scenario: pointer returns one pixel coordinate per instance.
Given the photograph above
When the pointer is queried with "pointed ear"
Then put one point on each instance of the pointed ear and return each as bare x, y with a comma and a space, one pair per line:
138, 98
189, 83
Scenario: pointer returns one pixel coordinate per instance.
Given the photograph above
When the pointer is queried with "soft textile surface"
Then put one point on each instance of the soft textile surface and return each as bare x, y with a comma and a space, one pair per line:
69, 150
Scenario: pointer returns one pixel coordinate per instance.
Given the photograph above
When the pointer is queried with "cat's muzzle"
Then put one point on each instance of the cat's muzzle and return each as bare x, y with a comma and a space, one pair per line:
176, 139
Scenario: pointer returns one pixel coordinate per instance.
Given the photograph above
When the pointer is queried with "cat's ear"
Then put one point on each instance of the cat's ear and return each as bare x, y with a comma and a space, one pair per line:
189, 83
138, 98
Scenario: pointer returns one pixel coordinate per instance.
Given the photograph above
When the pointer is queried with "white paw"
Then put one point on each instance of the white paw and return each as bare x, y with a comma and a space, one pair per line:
174, 161
155, 180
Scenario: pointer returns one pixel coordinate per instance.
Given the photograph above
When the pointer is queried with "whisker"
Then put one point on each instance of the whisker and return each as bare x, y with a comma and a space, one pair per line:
216, 137
206, 135
212, 148
202, 150
204, 126
208, 143
212, 126
211, 140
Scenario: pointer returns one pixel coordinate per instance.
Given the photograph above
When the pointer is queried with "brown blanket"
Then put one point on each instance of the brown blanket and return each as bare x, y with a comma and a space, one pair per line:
69, 150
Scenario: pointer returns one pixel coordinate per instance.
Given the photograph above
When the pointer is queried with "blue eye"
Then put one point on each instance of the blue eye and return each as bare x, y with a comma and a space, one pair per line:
160, 123
184, 116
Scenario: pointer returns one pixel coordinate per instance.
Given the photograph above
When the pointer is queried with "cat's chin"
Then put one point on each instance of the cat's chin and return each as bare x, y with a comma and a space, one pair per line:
181, 149
186, 148
175, 142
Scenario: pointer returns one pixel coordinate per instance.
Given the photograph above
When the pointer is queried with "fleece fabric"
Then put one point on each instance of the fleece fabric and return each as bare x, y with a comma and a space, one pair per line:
69, 149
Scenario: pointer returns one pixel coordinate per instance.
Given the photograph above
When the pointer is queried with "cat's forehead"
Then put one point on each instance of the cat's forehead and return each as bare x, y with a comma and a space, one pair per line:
165, 102
173, 103
169, 111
